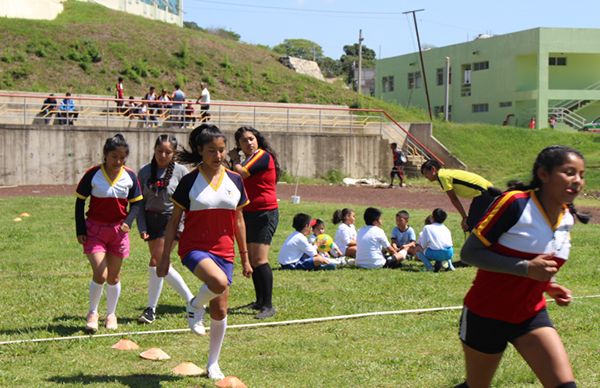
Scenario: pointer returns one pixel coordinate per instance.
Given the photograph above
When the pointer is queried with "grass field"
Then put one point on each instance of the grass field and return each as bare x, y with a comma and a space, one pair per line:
45, 277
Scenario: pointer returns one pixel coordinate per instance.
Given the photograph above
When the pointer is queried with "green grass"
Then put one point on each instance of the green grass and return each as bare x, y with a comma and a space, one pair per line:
45, 277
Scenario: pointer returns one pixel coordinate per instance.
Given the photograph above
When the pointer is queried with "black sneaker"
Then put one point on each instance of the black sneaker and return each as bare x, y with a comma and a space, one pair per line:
148, 316
265, 312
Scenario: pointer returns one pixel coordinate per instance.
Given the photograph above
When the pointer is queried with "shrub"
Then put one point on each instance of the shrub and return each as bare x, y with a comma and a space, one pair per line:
334, 176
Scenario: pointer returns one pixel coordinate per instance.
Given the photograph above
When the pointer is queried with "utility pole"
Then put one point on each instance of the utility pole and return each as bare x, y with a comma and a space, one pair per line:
360, 39
421, 57
446, 87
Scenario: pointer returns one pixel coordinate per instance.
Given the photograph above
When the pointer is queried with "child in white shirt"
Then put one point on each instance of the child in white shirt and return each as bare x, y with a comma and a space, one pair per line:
345, 236
297, 253
435, 243
372, 241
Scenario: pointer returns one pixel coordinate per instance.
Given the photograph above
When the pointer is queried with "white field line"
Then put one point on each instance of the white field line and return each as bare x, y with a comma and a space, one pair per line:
254, 325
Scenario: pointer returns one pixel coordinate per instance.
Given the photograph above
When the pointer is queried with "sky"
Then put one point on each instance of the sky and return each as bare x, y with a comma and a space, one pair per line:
385, 29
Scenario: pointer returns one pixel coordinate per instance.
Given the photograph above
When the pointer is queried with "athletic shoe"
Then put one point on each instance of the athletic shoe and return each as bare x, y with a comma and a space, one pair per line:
111, 322
148, 316
195, 318
214, 372
265, 312
91, 325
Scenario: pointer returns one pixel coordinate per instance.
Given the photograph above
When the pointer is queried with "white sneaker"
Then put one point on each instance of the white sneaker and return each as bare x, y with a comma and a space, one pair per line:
91, 325
195, 317
214, 372
111, 322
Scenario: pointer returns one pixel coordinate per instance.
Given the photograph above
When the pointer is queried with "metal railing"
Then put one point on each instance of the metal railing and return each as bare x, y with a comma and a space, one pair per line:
568, 117
35, 109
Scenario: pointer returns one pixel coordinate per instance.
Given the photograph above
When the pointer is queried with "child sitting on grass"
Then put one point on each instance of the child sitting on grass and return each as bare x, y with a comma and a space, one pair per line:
372, 241
297, 253
435, 243
403, 235
317, 227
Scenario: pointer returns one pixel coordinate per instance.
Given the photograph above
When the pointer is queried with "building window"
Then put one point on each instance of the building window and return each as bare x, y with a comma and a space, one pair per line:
387, 83
466, 74
505, 104
479, 108
557, 61
481, 65
440, 75
438, 111
414, 80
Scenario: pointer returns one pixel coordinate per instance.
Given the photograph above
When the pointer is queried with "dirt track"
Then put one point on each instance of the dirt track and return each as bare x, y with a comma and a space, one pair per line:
406, 197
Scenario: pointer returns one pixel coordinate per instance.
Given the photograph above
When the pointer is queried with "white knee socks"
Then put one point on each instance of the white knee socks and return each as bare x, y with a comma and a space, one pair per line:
113, 291
95, 296
155, 285
176, 281
217, 334
204, 296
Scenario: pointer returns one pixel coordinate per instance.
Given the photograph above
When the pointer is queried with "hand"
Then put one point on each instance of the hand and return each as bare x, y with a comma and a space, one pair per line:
162, 268
463, 225
234, 156
125, 228
81, 239
145, 236
561, 295
247, 269
542, 268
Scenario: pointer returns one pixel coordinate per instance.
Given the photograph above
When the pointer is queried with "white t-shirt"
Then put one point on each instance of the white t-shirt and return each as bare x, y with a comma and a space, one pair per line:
344, 234
435, 236
205, 96
294, 247
370, 242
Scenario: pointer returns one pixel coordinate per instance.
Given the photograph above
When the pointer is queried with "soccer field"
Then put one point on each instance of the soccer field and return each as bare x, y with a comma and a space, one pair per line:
45, 281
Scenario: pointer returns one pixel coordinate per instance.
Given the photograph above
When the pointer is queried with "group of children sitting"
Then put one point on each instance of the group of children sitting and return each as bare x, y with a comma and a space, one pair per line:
309, 248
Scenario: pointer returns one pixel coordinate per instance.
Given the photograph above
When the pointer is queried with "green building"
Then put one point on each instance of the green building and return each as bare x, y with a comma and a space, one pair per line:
538, 73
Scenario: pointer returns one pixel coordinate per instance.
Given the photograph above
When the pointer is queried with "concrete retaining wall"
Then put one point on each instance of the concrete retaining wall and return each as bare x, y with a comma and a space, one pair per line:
32, 155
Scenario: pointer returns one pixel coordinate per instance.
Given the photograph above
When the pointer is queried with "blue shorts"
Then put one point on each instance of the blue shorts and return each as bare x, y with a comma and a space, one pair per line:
491, 336
192, 259
439, 254
306, 263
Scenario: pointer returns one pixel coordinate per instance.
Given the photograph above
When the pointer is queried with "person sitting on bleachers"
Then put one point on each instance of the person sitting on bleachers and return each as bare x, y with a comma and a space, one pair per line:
67, 112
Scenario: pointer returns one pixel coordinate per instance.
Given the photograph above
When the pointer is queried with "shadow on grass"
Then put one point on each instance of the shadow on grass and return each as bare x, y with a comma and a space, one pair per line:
135, 380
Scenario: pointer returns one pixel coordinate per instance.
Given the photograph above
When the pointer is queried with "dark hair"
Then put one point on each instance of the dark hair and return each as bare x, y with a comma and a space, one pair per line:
262, 143
439, 215
429, 220
300, 221
403, 214
120, 79
153, 180
340, 215
371, 215
112, 143
394, 145
549, 158
317, 222
200, 136
430, 164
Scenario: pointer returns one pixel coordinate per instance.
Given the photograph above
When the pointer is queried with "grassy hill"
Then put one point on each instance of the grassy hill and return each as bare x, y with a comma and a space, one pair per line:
88, 46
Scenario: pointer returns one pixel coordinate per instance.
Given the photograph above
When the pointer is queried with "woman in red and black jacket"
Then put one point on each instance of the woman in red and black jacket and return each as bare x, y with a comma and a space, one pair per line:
260, 171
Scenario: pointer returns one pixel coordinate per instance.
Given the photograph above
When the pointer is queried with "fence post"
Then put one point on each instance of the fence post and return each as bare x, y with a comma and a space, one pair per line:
320, 121
254, 117
24, 110
220, 115
287, 120
107, 113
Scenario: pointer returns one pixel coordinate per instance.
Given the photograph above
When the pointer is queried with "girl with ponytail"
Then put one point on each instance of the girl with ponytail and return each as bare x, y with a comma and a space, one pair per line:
159, 179
519, 245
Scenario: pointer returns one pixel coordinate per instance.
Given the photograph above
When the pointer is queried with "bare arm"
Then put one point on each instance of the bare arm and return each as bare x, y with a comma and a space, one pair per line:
240, 237
458, 206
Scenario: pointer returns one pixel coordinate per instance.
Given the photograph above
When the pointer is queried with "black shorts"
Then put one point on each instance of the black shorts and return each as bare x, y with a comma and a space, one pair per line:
261, 226
156, 223
397, 171
491, 336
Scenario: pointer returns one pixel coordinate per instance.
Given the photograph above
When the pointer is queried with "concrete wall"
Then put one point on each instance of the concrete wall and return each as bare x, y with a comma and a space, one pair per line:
32, 155
423, 133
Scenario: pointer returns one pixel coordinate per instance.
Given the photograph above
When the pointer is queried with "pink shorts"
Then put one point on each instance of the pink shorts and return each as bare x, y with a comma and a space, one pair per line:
103, 237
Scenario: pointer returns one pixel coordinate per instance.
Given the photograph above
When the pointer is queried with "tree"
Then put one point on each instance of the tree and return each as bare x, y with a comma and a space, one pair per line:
349, 60
300, 48
330, 67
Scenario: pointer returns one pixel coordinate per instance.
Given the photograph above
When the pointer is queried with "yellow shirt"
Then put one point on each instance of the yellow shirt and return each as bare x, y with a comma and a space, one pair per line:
465, 184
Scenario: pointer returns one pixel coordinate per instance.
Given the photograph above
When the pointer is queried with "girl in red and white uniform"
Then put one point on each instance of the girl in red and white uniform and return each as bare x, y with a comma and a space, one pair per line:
519, 246
105, 233
212, 198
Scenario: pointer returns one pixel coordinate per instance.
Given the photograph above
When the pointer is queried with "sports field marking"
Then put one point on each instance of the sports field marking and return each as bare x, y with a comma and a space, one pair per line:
254, 325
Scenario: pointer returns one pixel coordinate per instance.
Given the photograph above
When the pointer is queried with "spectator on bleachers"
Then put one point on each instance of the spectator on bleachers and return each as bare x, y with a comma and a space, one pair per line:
164, 103
189, 118
177, 109
67, 112
204, 101
150, 99
120, 95
48, 110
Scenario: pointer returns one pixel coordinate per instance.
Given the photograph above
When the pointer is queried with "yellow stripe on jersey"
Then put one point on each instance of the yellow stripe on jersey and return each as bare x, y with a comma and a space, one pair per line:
490, 216
136, 199
543, 211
